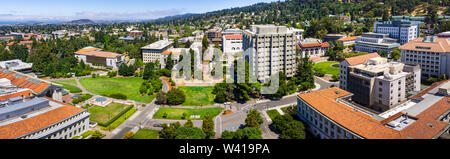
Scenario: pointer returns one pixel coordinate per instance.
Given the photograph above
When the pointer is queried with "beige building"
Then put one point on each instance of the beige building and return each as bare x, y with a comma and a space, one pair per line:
431, 53
381, 85
152, 52
270, 49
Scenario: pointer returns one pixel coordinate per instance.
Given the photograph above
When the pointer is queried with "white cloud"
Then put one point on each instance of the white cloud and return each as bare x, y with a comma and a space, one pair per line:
95, 16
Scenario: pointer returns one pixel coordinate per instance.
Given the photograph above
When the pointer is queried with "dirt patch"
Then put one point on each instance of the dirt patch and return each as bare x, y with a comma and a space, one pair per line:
228, 112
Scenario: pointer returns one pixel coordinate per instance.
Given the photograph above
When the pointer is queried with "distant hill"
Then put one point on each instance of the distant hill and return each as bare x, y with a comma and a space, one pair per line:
81, 22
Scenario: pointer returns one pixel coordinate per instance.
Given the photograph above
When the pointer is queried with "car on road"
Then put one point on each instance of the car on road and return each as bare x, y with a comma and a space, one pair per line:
157, 125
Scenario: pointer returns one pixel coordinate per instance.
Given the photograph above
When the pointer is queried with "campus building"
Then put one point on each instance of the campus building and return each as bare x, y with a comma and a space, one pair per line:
375, 42
270, 49
298, 33
431, 53
232, 44
347, 41
330, 114
152, 52
17, 65
311, 47
403, 31
96, 56
12, 81
377, 83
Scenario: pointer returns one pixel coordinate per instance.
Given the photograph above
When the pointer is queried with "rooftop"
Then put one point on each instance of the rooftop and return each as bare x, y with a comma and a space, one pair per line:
91, 51
428, 44
15, 65
29, 125
158, 45
361, 59
402, 125
20, 80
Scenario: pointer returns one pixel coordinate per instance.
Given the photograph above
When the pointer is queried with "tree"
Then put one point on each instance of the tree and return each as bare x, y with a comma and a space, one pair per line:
189, 133
20, 52
128, 135
305, 72
161, 97
288, 127
254, 119
149, 71
168, 131
227, 135
189, 124
208, 126
169, 64
175, 97
395, 54
248, 133
97, 135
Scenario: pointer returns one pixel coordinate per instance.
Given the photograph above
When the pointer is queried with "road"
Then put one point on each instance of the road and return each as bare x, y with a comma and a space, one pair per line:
142, 118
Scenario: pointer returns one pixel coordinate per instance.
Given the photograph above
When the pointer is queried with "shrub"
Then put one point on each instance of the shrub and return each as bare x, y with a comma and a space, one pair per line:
128, 135
83, 98
175, 97
118, 96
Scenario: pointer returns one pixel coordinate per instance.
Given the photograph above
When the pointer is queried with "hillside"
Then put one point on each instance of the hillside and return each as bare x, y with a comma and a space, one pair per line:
291, 11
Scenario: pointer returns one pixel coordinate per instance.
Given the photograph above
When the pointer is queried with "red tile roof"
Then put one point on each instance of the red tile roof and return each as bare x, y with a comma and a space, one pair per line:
351, 38
233, 37
22, 82
361, 59
30, 125
427, 125
25, 93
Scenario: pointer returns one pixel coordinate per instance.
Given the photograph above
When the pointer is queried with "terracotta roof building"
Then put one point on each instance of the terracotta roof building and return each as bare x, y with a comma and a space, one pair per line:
431, 53
91, 55
311, 47
45, 118
330, 114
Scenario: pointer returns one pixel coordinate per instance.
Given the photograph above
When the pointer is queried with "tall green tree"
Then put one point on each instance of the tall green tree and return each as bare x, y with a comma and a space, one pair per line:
208, 126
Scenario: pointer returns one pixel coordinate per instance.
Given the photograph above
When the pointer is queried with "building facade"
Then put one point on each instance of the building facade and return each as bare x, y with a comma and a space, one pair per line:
152, 52
96, 56
270, 49
232, 44
403, 31
329, 114
311, 47
375, 42
377, 83
431, 53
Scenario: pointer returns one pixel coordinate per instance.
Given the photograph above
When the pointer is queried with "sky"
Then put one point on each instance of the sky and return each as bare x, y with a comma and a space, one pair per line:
66, 10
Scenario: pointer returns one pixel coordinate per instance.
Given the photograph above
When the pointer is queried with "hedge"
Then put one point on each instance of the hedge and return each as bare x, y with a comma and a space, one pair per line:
116, 117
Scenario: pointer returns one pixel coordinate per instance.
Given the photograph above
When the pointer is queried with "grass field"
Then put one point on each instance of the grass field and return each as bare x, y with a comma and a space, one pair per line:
146, 134
70, 81
105, 86
69, 87
327, 68
273, 113
177, 113
120, 120
198, 96
104, 114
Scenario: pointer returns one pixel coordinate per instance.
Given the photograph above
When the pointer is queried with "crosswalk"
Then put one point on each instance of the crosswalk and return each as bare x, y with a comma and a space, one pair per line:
247, 108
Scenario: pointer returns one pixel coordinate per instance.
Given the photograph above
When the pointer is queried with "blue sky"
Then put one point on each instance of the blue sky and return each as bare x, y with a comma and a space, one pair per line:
110, 9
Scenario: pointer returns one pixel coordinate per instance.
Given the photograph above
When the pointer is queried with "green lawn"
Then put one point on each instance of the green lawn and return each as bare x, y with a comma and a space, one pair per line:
70, 88
146, 134
70, 81
177, 113
273, 113
128, 86
198, 96
327, 68
104, 114
121, 119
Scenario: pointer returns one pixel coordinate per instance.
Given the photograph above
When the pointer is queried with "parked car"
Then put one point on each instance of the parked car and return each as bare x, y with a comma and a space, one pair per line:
157, 125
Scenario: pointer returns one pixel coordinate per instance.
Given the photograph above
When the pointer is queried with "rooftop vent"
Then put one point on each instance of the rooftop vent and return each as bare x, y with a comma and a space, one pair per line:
430, 125
337, 92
